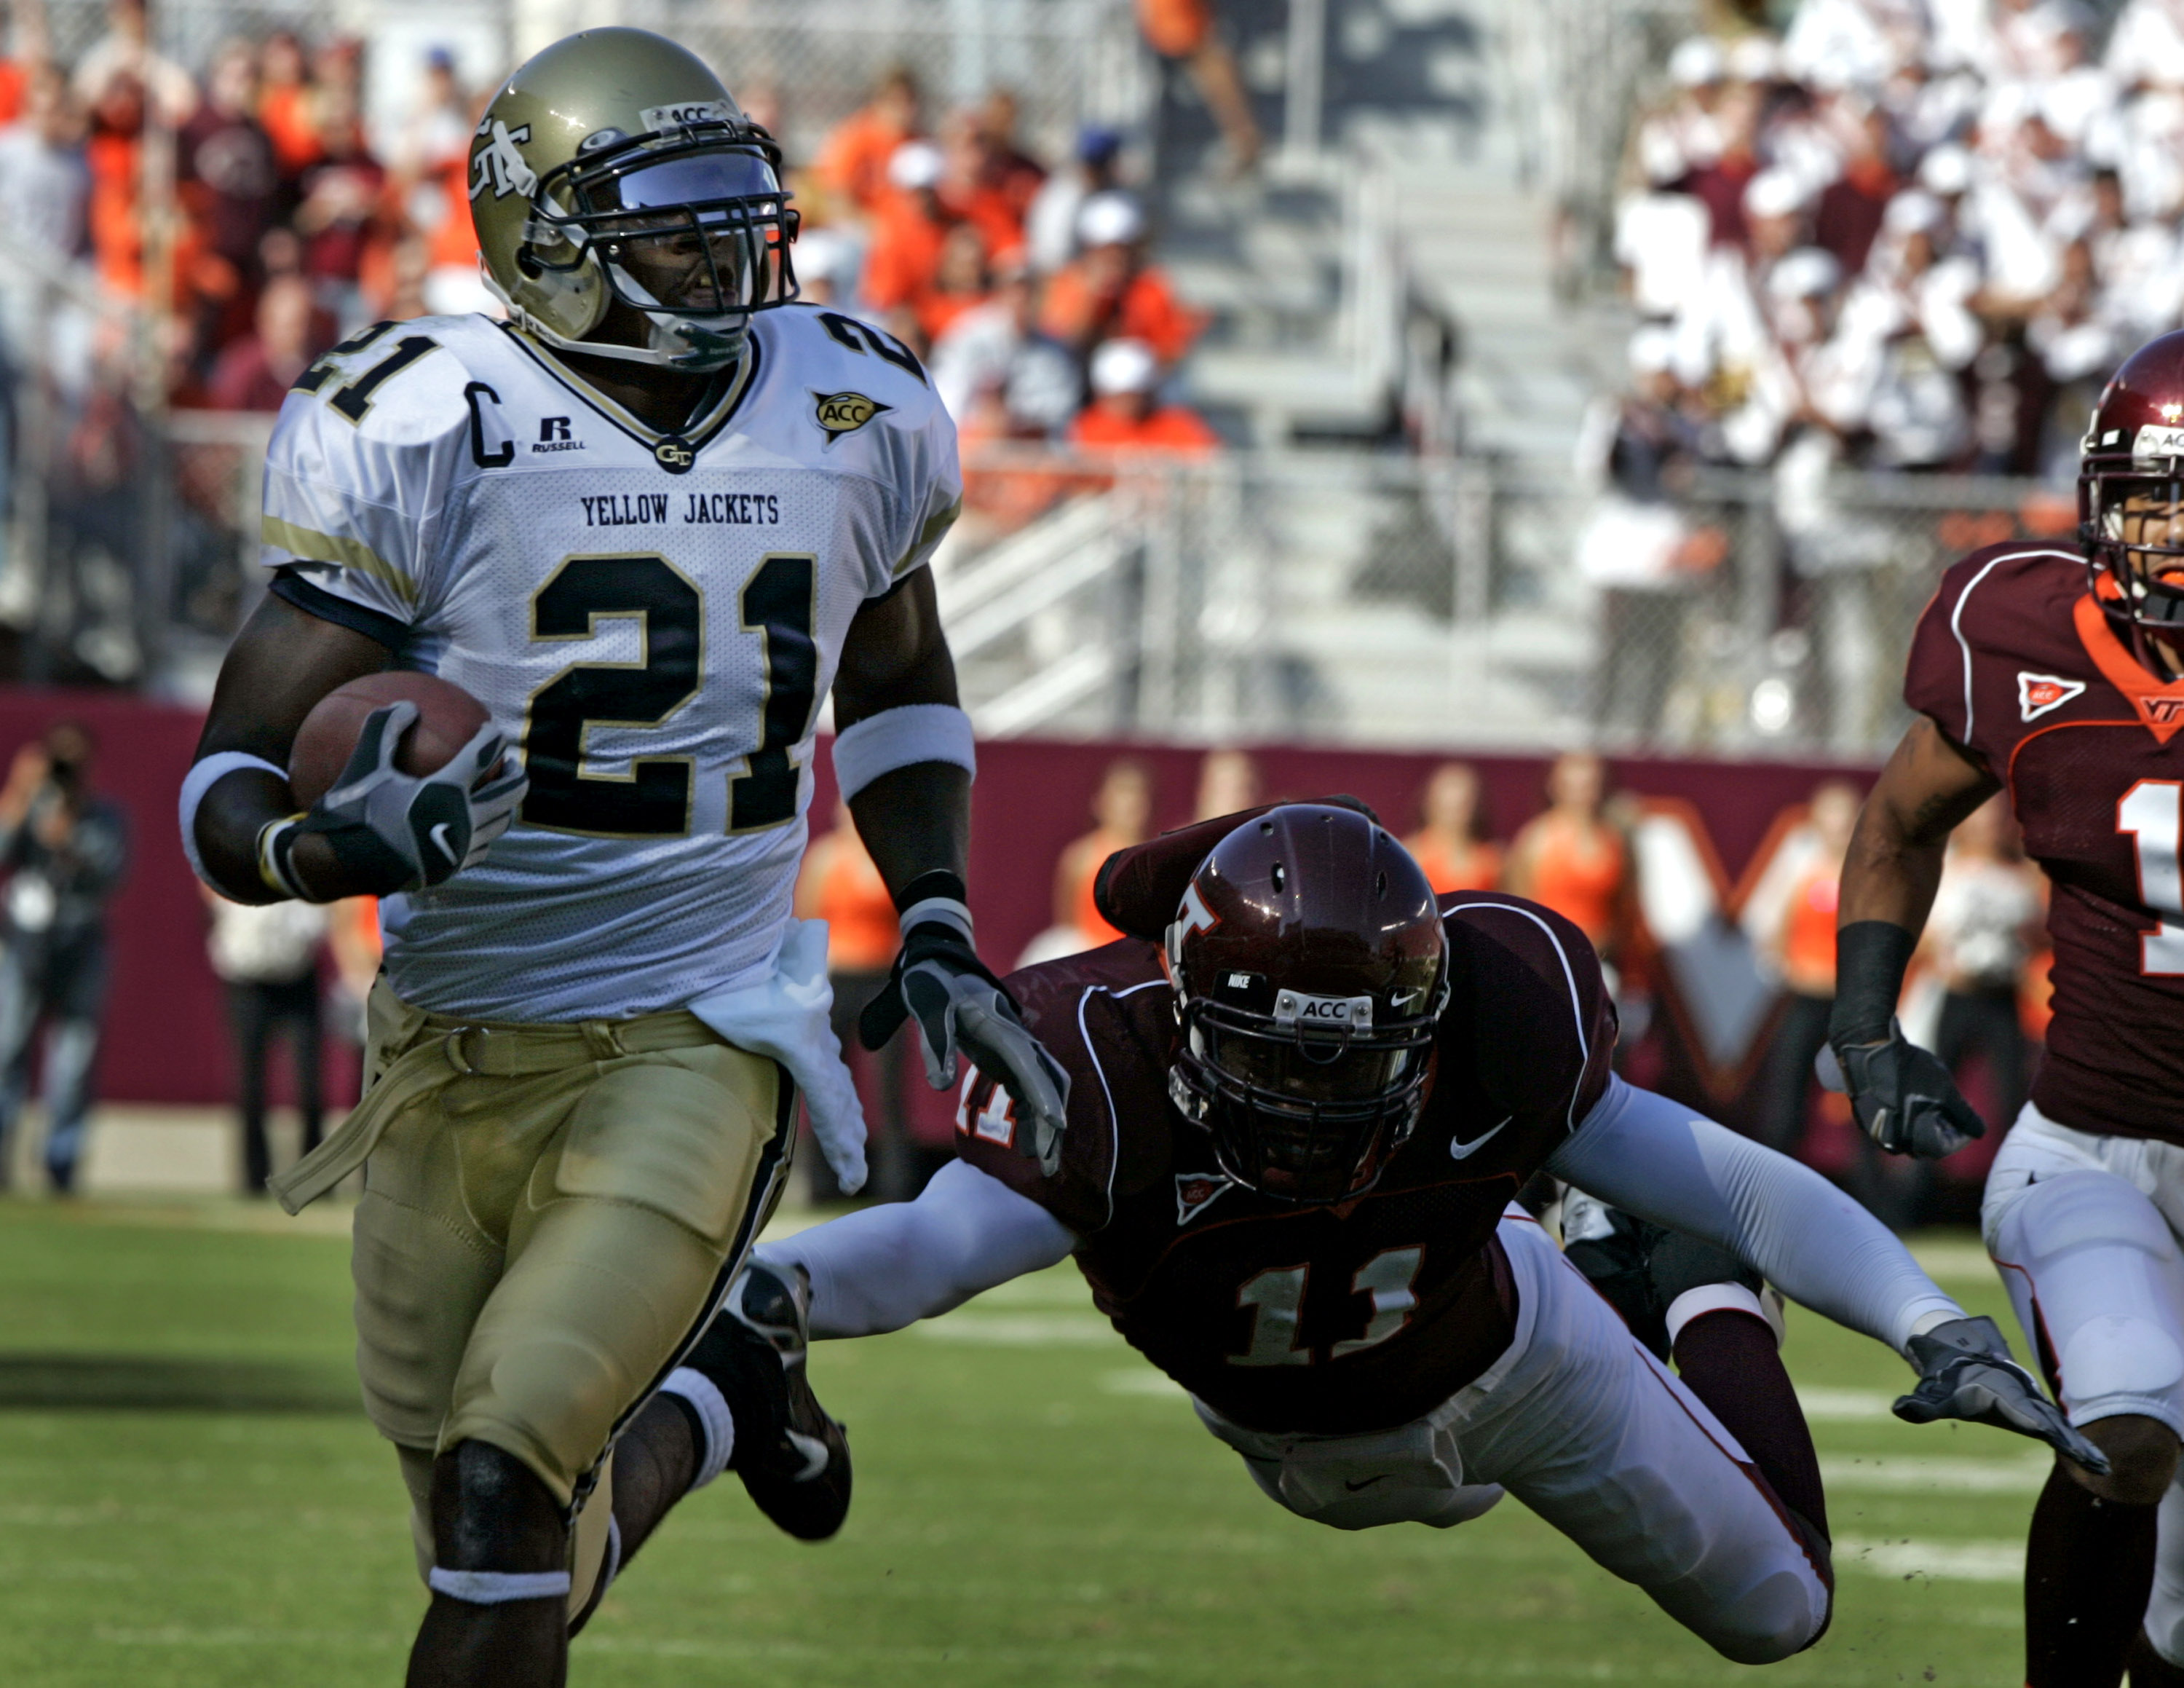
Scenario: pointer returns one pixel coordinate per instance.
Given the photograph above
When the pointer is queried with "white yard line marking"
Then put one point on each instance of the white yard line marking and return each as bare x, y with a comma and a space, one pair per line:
1845, 1406
1964, 1477
1019, 1330
1962, 1561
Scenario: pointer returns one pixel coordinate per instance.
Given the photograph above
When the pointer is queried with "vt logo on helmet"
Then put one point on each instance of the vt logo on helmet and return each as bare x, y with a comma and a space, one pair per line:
615, 168
1310, 971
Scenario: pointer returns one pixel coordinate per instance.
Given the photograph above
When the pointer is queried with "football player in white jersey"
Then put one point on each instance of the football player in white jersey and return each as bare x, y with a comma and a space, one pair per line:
649, 522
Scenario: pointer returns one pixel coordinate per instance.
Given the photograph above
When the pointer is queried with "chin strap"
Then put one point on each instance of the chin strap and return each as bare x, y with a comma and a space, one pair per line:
707, 354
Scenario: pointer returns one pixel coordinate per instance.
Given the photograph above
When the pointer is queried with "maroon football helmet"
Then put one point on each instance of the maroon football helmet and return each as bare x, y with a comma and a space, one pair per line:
1310, 969
2134, 448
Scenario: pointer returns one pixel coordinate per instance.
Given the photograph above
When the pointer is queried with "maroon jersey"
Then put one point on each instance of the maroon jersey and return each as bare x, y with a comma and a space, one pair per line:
2014, 660
1333, 1319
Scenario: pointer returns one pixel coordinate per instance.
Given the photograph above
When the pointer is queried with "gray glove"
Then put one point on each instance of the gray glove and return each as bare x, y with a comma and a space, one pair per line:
1965, 1372
1902, 1095
393, 831
962, 1009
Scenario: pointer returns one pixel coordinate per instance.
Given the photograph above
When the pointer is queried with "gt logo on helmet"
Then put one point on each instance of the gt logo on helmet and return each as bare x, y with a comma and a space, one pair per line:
502, 165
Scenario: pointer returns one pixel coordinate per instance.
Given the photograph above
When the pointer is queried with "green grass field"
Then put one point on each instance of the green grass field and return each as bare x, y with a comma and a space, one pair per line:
190, 1496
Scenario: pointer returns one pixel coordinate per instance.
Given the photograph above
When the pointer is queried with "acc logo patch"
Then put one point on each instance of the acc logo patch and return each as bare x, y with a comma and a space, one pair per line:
1195, 1192
500, 165
841, 413
656, 118
2038, 694
2153, 442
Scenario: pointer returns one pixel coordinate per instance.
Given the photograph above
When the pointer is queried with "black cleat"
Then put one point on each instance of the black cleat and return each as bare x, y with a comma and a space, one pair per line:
1641, 1268
793, 1458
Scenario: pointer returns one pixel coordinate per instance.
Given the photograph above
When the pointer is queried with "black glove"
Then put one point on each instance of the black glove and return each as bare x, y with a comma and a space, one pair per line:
393, 831
1965, 1372
1902, 1095
962, 1010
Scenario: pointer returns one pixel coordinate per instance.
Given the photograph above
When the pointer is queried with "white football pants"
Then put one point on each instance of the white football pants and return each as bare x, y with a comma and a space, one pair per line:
1589, 1431
2084, 1230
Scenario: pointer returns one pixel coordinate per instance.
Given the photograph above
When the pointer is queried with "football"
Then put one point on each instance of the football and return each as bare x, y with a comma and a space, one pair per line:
446, 719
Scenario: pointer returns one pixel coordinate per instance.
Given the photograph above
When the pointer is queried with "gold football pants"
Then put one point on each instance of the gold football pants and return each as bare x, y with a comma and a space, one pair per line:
550, 1217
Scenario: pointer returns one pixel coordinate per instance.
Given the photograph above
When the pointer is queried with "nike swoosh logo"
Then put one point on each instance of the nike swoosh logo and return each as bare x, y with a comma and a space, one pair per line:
438, 836
815, 1456
1458, 1151
1354, 1486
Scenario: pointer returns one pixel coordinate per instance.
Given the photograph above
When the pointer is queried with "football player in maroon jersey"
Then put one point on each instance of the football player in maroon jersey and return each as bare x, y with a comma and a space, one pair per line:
2058, 675
1294, 1134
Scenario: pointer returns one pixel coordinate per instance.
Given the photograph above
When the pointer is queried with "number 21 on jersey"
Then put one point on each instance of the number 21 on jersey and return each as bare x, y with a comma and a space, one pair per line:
2153, 813
652, 800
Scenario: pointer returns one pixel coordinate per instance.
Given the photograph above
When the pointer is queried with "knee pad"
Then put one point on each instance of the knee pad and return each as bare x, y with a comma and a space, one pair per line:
1773, 1621
492, 1512
2094, 1262
2056, 1215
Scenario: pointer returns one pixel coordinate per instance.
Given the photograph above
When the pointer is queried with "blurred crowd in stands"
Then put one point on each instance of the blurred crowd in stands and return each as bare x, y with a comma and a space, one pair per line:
1026, 282
286, 225
1029, 287
1904, 236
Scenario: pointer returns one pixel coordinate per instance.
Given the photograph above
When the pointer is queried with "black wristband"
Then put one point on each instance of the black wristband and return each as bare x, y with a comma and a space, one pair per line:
939, 882
1871, 956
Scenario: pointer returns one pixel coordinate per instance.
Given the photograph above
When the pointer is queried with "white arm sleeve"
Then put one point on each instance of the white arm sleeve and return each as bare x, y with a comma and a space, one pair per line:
1647, 1155
891, 1266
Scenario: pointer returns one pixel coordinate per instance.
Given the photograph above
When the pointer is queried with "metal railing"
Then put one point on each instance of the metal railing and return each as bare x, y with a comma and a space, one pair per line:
1344, 598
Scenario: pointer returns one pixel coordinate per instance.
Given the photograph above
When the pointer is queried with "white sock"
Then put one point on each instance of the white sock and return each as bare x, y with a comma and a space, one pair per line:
717, 1423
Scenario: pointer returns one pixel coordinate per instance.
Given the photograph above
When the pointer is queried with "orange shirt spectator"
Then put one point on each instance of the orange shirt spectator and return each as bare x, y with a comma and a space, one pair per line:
839, 884
114, 155
285, 105
1808, 930
1106, 292
909, 230
1121, 810
14, 83
453, 243
959, 283
853, 163
1448, 846
1123, 415
1171, 429
1570, 858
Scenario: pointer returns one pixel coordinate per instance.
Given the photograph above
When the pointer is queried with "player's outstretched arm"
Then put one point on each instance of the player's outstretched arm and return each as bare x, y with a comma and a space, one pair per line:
1902, 1095
1647, 1155
904, 757
891, 1266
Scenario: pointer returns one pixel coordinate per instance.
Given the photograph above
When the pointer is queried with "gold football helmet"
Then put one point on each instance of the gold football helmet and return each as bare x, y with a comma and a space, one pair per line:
615, 166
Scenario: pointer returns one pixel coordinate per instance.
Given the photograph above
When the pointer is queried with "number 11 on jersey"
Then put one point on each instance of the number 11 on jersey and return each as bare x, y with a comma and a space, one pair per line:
2153, 813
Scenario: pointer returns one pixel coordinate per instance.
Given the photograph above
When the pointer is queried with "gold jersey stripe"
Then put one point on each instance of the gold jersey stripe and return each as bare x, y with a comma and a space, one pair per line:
308, 545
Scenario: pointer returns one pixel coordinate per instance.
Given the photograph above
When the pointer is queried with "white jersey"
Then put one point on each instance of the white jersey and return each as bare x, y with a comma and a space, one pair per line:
653, 617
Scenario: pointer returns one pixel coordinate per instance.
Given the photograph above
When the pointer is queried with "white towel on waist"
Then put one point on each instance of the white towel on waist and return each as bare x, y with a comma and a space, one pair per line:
786, 1016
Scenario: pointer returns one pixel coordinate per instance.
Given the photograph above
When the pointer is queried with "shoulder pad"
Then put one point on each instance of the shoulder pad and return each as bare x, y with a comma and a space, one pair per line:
823, 344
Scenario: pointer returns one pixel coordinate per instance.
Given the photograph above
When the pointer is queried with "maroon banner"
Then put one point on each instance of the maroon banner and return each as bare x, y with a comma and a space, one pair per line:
167, 1038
